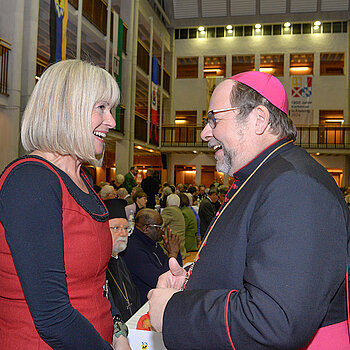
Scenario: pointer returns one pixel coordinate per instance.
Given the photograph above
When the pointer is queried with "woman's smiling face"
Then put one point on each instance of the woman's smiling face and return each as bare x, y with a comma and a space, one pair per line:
101, 121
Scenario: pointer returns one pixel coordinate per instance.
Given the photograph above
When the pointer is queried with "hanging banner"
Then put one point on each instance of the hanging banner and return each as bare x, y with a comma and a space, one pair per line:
58, 30
301, 99
212, 83
117, 60
154, 100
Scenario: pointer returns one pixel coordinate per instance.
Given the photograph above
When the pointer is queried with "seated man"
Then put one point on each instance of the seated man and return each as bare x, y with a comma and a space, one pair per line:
122, 291
144, 257
172, 217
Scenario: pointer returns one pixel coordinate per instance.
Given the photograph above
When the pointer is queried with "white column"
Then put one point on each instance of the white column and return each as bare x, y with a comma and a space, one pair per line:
108, 40
161, 94
80, 15
149, 99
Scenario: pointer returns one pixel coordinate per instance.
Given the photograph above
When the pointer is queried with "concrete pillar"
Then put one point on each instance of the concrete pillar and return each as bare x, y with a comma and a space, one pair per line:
30, 43
125, 158
12, 12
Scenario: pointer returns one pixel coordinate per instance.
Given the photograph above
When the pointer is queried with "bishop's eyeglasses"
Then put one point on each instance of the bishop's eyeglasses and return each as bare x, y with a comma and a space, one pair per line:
211, 115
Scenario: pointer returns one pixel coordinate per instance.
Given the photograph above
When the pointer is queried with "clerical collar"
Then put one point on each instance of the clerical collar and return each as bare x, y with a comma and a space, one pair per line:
115, 257
243, 173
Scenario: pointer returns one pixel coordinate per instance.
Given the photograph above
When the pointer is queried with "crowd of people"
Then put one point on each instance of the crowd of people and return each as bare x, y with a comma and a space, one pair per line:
77, 260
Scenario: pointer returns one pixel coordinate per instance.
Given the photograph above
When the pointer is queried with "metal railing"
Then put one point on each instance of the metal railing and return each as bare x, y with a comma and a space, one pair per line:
4, 62
309, 137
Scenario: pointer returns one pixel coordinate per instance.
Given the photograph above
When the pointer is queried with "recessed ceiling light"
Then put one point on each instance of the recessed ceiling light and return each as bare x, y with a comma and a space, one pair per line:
229, 26
258, 26
201, 28
287, 25
317, 23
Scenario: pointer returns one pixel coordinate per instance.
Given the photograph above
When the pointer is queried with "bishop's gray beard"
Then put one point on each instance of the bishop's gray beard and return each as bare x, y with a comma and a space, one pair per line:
224, 164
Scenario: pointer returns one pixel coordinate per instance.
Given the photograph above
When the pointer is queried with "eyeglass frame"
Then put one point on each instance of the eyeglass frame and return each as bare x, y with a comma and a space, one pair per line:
211, 115
156, 226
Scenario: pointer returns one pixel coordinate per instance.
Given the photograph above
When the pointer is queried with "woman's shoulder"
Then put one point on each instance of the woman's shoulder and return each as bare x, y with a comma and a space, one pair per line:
26, 171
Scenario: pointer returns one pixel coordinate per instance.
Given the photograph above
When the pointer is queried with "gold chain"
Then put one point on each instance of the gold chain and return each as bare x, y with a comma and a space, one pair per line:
220, 213
125, 296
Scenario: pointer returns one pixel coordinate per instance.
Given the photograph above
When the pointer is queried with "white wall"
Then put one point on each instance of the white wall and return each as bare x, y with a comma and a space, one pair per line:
328, 92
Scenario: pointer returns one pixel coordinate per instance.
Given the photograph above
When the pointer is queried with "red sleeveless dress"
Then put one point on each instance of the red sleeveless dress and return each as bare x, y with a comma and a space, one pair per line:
87, 248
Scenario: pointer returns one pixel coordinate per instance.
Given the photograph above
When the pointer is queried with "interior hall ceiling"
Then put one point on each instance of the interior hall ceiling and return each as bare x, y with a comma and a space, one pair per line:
189, 13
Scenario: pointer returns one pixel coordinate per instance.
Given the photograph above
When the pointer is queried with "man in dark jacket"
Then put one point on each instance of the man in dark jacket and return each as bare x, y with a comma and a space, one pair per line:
150, 186
207, 210
271, 272
144, 256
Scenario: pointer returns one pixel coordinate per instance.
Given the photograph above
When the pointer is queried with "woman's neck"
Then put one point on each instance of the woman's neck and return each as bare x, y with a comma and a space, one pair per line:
67, 163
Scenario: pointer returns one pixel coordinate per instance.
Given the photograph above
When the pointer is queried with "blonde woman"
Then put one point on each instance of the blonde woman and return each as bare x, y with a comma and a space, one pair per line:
54, 235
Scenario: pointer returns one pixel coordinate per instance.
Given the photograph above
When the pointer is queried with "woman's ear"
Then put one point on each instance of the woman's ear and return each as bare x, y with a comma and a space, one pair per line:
262, 119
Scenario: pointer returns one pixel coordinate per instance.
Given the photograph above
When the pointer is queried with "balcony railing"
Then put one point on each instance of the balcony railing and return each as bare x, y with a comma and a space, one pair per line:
4, 62
309, 137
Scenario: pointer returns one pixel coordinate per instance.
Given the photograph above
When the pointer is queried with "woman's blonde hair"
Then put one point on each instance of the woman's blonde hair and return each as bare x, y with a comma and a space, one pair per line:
58, 114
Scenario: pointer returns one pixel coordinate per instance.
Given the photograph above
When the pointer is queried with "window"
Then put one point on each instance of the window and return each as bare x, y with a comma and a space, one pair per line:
330, 131
277, 29
185, 117
332, 64
243, 63
306, 28
239, 31
267, 29
301, 64
248, 31
210, 32
220, 32
192, 33
337, 27
327, 27
214, 66
187, 67
183, 33
125, 35
296, 28
272, 64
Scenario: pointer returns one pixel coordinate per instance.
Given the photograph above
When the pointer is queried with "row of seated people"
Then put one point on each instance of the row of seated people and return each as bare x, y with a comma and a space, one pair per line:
134, 269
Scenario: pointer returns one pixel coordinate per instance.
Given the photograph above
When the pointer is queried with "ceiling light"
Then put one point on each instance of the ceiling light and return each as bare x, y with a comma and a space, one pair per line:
201, 28
180, 121
139, 147
317, 23
317, 154
266, 70
299, 69
230, 31
257, 30
316, 27
334, 120
229, 26
194, 151
211, 70
258, 26
287, 24
202, 32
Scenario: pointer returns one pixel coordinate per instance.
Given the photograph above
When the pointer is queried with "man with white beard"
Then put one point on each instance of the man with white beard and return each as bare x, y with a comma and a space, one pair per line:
123, 292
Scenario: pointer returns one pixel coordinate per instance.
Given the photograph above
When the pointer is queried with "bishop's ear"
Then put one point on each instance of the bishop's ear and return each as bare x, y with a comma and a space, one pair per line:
262, 119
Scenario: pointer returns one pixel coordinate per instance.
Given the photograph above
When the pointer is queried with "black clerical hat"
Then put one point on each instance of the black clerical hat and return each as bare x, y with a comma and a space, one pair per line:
116, 208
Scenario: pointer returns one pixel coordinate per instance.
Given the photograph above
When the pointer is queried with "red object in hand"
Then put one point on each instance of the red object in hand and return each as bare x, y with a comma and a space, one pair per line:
144, 323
